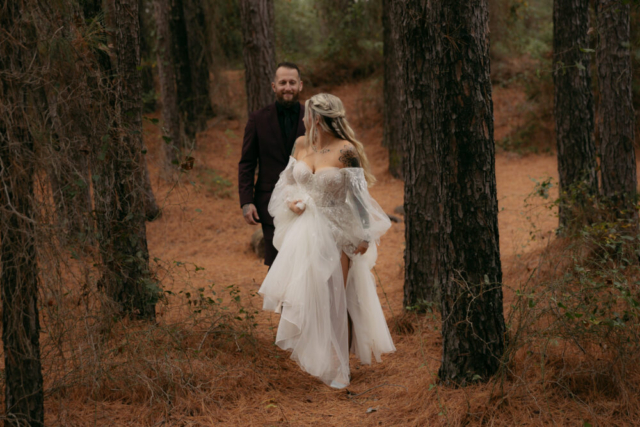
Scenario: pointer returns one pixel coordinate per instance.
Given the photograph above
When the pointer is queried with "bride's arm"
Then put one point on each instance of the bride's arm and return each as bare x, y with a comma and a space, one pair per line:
373, 222
296, 206
349, 159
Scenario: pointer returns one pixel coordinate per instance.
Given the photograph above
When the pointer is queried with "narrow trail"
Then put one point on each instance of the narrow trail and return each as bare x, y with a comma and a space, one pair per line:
207, 229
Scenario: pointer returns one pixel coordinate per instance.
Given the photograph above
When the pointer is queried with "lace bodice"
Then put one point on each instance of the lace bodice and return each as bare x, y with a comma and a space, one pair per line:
326, 186
339, 194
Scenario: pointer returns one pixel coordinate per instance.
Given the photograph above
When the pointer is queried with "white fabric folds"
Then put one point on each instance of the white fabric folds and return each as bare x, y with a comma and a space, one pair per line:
305, 283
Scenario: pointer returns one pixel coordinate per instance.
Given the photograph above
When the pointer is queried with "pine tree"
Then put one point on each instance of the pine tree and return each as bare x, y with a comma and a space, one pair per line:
574, 111
393, 118
451, 208
616, 117
258, 51
24, 395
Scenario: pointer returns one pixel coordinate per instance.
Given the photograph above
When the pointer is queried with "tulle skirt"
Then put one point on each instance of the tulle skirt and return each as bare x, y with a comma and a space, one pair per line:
305, 285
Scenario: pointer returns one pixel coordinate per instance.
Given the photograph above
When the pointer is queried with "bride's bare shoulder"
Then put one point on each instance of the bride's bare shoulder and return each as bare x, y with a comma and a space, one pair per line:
298, 147
349, 155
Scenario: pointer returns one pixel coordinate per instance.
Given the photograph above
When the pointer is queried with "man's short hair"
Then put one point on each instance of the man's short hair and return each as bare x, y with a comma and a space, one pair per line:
289, 65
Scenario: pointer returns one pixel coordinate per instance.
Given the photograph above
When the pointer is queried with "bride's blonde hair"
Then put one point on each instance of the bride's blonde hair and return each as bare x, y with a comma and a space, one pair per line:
330, 111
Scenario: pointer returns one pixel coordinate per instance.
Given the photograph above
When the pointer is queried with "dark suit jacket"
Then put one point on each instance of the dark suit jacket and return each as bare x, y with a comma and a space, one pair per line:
264, 146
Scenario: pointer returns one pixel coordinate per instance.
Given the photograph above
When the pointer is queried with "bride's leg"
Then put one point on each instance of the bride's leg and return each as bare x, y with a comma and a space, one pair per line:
346, 262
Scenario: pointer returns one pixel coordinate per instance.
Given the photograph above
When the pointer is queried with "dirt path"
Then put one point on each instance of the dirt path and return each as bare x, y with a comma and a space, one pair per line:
208, 230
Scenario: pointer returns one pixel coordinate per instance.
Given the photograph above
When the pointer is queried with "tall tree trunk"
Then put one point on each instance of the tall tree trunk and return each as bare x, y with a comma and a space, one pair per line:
200, 61
120, 195
92, 10
167, 74
393, 118
24, 396
616, 117
152, 211
146, 55
184, 84
450, 186
424, 189
258, 51
183, 66
574, 111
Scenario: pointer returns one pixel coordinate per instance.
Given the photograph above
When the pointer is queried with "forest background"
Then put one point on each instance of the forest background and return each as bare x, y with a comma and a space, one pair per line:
208, 358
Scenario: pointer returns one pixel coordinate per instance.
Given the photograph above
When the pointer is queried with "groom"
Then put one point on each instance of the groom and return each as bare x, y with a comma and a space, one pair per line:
268, 141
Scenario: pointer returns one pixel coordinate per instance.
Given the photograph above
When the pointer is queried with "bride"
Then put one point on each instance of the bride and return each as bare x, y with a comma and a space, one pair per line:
327, 227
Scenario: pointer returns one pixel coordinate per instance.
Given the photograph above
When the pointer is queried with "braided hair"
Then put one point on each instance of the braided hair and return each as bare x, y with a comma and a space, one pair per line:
332, 119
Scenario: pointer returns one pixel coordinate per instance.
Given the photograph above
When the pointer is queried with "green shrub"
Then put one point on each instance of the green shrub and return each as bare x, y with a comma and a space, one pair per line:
574, 323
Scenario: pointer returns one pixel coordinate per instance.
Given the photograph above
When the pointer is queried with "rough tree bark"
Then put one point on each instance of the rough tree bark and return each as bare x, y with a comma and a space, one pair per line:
450, 191
424, 188
119, 192
616, 117
200, 61
393, 118
147, 47
173, 143
151, 208
258, 51
24, 396
92, 10
152, 211
574, 114
182, 67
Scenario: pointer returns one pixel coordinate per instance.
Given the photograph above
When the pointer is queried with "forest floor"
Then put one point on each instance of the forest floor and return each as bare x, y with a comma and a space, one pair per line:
202, 225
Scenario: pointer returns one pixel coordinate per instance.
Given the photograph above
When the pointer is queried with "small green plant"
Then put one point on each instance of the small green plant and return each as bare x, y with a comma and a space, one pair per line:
214, 183
521, 140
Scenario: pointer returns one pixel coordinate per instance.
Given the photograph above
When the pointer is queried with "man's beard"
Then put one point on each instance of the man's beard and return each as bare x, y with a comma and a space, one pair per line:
285, 103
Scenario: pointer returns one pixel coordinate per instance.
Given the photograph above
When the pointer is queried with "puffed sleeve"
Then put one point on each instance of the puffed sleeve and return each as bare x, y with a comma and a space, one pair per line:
371, 220
285, 191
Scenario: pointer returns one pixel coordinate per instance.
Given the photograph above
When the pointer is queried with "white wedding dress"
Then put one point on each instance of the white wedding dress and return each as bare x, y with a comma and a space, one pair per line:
305, 283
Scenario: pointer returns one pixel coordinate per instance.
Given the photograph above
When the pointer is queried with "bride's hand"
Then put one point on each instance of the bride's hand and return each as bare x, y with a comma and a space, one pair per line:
297, 207
362, 248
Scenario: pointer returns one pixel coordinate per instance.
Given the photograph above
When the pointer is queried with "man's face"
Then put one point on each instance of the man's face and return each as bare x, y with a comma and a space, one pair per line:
287, 85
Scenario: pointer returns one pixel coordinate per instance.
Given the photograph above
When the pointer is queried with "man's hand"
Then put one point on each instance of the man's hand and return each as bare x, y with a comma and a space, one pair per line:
250, 214
362, 248
295, 208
